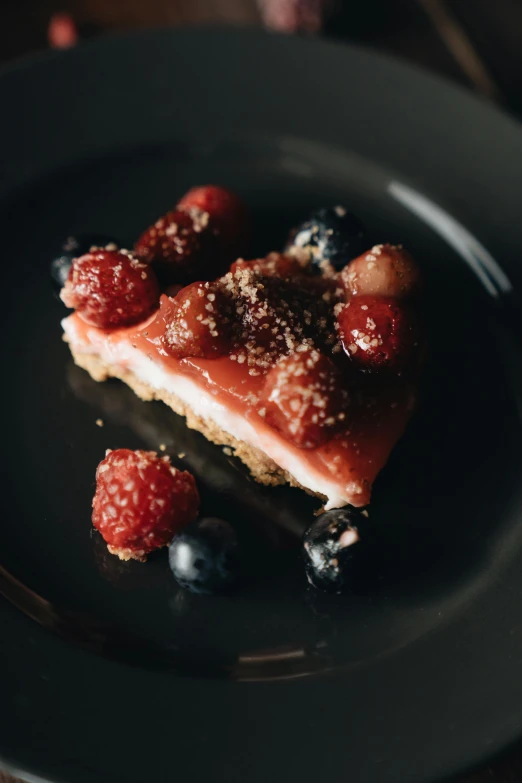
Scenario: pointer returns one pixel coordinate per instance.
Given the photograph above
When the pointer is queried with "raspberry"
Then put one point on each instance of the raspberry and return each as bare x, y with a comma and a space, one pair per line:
317, 297
275, 316
378, 333
320, 295
304, 400
198, 322
227, 212
141, 501
181, 245
385, 270
110, 288
268, 313
299, 304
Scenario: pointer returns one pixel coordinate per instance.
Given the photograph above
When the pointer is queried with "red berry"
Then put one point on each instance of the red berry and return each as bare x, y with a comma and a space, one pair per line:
198, 322
320, 294
303, 398
181, 245
110, 288
377, 333
269, 315
227, 212
276, 316
141, 501
274, 265
385, 270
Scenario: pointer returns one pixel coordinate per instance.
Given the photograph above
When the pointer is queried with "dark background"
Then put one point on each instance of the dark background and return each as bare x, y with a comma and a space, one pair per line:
477, 43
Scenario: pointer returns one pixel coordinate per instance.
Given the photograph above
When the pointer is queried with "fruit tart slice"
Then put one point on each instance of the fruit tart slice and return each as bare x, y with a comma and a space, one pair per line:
304, 363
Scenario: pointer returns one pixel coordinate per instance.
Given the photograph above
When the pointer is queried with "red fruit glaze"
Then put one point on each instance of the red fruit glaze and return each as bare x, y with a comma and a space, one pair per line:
110, 288
227, 212
304, 399
181, 245
385, 270
198, 322
377, 333
141, 501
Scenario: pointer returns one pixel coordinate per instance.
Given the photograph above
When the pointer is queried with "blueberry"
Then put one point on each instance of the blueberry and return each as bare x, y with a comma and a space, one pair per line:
204, 556
337, 550
72, 248
331, 234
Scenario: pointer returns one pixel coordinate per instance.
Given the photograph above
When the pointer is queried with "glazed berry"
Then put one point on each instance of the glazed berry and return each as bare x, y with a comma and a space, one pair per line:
267, 323
71, 249
331, 237
227, 213
303, 398
141, 501
204, 557
181, 245
111, 288
276, 315
198, 322
337, 550
378, 333
385, 270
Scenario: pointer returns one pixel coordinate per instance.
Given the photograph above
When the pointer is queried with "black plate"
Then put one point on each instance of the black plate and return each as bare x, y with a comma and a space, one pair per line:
123, 676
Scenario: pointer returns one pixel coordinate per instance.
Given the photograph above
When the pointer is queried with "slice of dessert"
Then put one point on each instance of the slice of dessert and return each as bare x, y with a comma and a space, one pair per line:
302, 365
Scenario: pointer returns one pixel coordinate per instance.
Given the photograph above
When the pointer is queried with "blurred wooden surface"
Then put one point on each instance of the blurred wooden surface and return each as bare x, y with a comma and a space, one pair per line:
475, 42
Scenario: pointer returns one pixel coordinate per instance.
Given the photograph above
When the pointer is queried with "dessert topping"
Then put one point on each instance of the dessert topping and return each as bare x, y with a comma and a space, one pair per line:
181, 245
331, 237
228, 216
378, 333
111, 288
338, 550
141, 501
198, 322
384, 270
204, 556
304, 399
